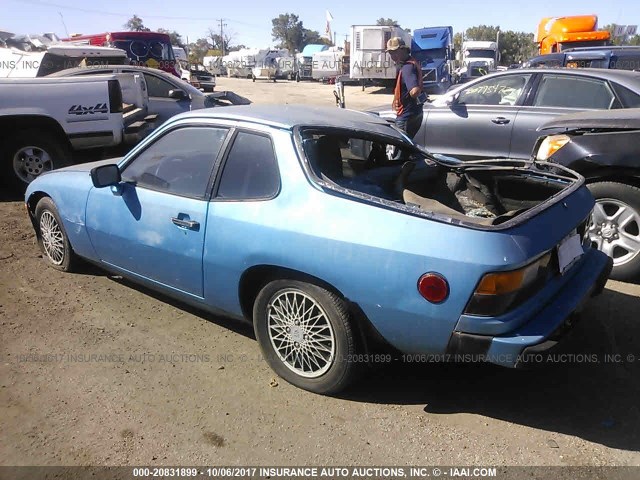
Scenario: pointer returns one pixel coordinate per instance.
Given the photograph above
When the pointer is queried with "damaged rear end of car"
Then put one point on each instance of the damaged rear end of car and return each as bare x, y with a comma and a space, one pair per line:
490, 258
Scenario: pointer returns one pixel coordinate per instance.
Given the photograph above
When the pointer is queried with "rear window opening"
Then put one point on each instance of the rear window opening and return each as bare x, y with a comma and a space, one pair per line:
402, 176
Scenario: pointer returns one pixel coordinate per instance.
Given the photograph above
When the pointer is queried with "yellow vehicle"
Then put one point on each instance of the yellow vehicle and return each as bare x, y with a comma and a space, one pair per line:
559, 33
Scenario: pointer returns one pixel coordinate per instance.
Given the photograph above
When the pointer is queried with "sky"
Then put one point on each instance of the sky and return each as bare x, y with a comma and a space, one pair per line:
249, 21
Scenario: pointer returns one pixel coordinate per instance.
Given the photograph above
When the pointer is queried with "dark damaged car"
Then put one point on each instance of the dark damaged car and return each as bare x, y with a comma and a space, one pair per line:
604, 147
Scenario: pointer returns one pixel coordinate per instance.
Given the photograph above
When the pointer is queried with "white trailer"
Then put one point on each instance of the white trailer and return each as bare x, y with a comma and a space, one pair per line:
214, 65
369, 60
241, 63
327, 64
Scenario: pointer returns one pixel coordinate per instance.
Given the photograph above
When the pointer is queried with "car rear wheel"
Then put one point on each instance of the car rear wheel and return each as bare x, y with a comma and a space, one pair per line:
52, 237
615, 226
31, 153
305, 335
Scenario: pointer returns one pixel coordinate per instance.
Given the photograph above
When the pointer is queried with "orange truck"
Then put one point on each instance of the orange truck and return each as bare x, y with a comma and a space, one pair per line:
559, 33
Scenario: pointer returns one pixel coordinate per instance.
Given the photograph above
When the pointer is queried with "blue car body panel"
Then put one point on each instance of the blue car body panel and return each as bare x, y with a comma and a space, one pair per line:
372, 255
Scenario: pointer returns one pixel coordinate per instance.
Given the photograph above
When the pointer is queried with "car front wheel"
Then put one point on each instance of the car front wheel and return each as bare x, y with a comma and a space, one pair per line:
52, 237
305, 335
615, 226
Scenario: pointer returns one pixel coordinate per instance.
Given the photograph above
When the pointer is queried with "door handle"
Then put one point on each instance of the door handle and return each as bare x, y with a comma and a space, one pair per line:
190, 224
500, 120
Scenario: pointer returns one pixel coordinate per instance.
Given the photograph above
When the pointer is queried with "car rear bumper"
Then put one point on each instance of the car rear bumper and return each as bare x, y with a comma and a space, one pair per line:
546, 328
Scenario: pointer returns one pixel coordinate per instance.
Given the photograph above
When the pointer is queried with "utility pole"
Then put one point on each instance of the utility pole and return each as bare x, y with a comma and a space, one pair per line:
221, 20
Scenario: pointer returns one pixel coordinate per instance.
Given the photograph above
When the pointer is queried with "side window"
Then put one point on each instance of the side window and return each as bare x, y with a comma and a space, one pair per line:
179, 162
157, 86
629, 99
251, 169
502, 90
573, 92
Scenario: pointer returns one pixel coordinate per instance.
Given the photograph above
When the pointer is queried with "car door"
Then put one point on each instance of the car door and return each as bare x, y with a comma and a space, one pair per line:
479, 122
160, 102
240, 212
557, 94
153, 223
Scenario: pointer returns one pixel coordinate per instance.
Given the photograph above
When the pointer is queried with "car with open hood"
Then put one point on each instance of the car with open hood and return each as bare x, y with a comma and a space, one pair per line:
295, 219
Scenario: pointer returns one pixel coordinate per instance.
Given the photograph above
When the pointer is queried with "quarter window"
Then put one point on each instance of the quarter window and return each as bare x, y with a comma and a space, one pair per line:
179, 162
566, 91
251, 169
629, 99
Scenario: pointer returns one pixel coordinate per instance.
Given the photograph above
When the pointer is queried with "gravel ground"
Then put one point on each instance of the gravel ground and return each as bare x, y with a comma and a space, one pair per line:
97, 371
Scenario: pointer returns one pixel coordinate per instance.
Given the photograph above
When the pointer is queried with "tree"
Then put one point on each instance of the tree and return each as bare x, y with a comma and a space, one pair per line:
482, 33
516, 47
635, 40
176, 38
313, 37
134, 24
220, 43
198, 49
387, 21
288, 29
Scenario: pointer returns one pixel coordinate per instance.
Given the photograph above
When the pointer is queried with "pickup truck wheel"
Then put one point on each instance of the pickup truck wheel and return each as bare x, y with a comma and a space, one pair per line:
52, 237
31, 153
615, 226
305, 335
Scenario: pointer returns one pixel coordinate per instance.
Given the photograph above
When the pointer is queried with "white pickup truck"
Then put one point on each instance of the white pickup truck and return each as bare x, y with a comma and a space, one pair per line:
44, 120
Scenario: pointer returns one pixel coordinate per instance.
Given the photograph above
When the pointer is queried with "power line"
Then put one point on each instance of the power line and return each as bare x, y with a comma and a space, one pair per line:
127, 15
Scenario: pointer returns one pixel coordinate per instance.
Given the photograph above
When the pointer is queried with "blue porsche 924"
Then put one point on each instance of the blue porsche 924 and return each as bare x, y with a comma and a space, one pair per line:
332, 232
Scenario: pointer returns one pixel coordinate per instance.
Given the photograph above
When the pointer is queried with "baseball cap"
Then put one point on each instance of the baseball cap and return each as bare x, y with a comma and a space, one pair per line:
395, 43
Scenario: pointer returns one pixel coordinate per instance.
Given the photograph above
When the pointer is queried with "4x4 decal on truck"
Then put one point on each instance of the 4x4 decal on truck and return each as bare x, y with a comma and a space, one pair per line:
80, 110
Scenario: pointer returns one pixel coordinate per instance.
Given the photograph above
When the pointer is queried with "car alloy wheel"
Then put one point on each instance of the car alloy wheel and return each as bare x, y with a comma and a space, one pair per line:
31, 161
615, 230
52, 238
300, 333
305, 334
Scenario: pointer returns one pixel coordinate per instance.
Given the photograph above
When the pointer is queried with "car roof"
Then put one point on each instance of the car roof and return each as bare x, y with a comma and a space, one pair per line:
625, 118
71, 71
290, 116
626, 78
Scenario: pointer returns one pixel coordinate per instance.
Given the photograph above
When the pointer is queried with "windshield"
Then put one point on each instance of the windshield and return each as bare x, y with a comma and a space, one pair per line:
431, 53
146, 52
483, 53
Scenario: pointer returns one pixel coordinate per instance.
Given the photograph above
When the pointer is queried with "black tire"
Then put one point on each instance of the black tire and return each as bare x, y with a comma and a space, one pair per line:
52, 237
23, 165
333, 371
628, 196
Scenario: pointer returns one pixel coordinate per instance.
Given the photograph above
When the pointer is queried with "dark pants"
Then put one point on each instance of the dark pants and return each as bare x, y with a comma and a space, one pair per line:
410, 125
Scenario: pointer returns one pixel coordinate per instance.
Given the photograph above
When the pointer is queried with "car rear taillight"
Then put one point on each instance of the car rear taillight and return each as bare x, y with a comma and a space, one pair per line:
433, 287
499, 292
115, 96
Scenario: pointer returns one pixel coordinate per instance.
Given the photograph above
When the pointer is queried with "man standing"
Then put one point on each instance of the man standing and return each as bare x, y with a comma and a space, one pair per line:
408, 98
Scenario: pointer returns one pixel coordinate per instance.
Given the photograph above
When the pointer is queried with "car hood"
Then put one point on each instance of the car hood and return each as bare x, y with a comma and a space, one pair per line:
86, 167
624, 119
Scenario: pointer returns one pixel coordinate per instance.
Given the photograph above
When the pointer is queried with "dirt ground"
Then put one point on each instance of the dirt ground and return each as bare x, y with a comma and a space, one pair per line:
97, 371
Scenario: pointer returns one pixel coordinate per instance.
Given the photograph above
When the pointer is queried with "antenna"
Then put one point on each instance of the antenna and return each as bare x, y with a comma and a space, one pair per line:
63, 24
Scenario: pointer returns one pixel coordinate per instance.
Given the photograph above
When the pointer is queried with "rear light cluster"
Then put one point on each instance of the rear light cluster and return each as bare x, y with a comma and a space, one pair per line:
499, 292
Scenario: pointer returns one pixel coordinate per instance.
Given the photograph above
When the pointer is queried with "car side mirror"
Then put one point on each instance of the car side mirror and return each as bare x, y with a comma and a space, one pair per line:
177, 94
452, 99
105, 176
